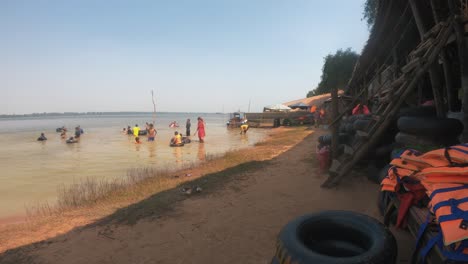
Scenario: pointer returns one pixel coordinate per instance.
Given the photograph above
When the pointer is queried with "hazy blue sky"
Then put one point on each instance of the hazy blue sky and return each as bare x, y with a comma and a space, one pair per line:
197, 55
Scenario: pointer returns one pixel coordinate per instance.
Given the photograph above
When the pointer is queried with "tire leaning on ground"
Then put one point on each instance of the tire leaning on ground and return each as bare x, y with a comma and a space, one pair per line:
361, 124
427, 126
332, 237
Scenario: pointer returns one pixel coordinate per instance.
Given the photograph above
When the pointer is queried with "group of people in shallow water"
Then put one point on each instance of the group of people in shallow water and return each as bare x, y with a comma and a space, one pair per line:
63, 134
177, 140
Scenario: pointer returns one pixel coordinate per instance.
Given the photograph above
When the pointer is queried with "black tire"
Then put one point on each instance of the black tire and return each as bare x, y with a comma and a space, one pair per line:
420, 111
406, 139
383, 201
372, 172
349, 128
361, 124
432, 127
336, 237
344, 138
142, 132
383, 173
384, 151
353, 118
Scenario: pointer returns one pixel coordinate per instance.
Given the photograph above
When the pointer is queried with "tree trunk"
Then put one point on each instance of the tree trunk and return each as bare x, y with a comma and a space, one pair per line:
433, 73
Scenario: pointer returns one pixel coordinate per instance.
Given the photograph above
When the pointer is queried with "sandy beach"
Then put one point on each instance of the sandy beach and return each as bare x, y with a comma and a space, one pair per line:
234, 219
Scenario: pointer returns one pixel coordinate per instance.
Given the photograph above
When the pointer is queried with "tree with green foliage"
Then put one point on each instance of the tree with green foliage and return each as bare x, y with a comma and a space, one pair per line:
336, 71
370, 12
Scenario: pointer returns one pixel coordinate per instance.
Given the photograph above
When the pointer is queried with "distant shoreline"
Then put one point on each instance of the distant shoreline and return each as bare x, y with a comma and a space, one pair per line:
72, 114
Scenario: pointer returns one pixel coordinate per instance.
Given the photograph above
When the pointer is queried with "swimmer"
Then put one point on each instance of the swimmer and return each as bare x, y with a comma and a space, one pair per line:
42, 137
137, 140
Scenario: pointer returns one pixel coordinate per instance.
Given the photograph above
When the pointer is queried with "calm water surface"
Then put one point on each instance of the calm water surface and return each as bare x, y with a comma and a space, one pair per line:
31, 171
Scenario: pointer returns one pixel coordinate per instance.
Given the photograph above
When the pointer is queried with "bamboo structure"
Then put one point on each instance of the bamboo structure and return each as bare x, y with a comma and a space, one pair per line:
416, 50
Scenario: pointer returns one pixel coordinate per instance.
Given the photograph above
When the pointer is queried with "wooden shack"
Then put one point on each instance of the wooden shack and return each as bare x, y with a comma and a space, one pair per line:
417, 53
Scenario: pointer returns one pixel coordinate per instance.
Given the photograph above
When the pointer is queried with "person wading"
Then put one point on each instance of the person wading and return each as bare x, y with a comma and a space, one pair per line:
200, 129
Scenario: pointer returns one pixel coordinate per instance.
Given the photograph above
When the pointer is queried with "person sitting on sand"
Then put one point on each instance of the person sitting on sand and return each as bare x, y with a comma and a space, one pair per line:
63, 134
124, 131
244, 127
136, 130
42, 137
177, 139
137, 140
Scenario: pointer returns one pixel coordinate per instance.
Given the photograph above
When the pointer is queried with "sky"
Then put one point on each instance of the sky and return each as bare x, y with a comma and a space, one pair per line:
197, 56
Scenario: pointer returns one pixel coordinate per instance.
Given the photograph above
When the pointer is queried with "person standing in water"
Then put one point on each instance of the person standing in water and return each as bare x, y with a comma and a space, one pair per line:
151, 132
77, 132
244, 127
136, 130
200, 129
187, 127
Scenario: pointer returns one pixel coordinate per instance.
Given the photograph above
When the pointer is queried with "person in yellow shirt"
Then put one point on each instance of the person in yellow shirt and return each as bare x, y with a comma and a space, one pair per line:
136, 131
244, 127
177, 139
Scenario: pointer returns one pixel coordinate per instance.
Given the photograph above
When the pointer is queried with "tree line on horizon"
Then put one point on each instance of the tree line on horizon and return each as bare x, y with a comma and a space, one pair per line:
338, 67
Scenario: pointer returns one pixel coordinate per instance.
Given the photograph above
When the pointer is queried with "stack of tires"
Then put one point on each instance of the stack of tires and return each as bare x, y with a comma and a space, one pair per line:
427, 133
333, 237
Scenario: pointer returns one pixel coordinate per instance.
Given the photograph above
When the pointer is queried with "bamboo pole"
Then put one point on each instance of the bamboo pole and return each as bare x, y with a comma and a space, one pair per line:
154, 107
451, 92
433, 73
393, 108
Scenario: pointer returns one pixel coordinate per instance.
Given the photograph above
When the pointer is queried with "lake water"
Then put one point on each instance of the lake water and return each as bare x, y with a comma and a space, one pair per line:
31, 171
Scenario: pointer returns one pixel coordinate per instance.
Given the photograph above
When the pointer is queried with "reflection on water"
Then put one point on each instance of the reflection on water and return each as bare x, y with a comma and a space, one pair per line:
201, 152
32, 171
152, 149
244, 139
178, 154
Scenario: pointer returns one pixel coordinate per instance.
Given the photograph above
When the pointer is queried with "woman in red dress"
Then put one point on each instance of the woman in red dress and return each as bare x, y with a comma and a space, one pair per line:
200, 129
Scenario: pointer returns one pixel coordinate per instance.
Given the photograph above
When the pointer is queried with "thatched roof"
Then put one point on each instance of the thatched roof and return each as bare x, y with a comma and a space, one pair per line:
314, 100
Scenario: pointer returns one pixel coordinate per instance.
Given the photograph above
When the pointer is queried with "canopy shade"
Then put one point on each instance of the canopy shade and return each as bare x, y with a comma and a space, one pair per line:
298, 105
276, 107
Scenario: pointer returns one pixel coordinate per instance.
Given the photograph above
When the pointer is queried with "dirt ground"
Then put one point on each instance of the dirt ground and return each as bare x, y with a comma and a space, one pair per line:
236, 223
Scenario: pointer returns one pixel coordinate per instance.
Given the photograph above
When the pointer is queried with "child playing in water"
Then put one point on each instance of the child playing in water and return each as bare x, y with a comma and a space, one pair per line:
137, 140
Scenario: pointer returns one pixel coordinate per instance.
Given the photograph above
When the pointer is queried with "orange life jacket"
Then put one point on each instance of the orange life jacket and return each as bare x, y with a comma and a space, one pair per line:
449, 203
444, 175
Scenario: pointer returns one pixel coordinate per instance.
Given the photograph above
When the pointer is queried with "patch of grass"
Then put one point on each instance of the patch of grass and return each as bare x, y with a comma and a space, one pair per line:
164, 201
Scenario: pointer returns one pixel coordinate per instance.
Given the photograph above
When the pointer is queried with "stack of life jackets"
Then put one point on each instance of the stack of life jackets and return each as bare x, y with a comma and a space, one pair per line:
443, 175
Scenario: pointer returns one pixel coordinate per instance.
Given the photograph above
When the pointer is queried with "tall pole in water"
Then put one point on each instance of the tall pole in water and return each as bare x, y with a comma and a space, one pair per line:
154, 107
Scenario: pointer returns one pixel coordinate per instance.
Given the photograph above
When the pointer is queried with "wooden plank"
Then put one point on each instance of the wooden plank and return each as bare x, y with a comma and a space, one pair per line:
348, 150
335, 166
